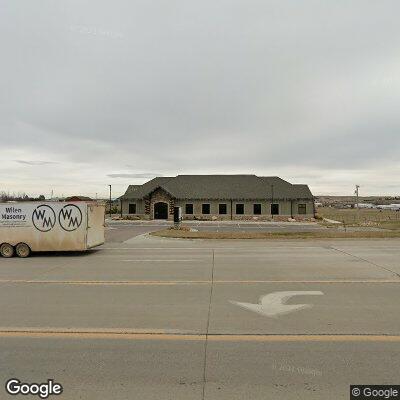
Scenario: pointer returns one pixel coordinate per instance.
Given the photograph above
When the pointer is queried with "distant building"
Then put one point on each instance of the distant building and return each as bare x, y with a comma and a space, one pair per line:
78, 198
222, 197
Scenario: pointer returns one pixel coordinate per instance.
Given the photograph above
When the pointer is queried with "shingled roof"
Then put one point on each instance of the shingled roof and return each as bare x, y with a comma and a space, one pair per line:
223, 187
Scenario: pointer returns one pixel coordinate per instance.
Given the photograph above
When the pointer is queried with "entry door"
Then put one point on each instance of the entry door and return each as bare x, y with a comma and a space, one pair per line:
161, 210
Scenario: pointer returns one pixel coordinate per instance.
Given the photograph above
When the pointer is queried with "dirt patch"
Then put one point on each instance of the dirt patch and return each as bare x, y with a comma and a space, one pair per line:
361, 217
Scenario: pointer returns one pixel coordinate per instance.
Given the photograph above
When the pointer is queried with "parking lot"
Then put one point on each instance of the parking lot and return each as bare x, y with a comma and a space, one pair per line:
144, 318
120, 231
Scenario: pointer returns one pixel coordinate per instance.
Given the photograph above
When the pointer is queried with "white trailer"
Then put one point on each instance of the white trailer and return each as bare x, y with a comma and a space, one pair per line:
50, 226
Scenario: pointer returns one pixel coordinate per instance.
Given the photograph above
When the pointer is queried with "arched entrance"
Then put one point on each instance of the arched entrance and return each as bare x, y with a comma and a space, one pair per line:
160, 210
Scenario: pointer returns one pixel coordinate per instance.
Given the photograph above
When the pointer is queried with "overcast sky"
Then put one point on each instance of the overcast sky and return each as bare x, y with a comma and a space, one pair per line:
116, 92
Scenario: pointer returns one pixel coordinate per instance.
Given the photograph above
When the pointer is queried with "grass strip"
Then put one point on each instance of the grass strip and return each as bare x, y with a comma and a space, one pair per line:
183, 234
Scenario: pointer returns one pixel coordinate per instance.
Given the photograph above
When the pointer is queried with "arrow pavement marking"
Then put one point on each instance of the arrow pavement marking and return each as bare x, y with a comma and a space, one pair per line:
273, 304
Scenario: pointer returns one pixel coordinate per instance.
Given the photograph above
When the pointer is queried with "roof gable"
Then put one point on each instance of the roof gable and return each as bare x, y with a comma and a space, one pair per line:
221, 187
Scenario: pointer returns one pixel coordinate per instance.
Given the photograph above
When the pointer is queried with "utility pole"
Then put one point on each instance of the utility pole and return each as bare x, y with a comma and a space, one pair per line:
110, 200
356, 193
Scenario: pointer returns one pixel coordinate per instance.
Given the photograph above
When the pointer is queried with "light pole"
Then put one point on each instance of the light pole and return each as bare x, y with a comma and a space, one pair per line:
356, 193
272, 200
358, 208
110, 200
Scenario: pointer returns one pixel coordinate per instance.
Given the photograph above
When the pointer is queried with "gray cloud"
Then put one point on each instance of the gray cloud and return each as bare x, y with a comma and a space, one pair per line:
306, 90
135, 176
35, 162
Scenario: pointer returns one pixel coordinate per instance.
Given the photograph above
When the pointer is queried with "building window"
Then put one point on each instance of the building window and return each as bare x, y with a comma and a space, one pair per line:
239, 209
189, 209
302, 209
274, 209
257, 209
222, 209
205, 208
132, 208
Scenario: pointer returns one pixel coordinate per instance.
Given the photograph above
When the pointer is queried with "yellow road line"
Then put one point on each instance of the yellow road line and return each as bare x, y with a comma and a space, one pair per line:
197, 337
135, 283
195, 282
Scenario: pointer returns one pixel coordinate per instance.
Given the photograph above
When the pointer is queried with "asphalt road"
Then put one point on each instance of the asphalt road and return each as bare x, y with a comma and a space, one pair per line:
154, 318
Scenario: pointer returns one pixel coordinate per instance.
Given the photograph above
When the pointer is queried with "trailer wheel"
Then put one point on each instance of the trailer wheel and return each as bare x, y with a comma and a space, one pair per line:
6, 250
22, 250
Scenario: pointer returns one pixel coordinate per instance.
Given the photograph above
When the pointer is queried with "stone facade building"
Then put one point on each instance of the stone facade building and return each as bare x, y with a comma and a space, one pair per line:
219, 197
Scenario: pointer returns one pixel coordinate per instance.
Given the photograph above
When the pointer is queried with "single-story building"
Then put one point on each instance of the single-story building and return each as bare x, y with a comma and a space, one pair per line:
222, 197
78, 198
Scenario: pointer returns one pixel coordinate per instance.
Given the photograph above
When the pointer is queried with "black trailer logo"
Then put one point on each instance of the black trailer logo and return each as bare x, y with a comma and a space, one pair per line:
70, 217
43, 218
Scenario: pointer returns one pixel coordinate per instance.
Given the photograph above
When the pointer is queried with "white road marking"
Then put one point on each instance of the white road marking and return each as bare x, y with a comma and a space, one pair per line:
182, 282
273, 304
118, 334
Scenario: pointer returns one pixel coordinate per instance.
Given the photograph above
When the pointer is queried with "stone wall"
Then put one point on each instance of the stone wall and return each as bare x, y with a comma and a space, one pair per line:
160, 195
287, 209
145, 208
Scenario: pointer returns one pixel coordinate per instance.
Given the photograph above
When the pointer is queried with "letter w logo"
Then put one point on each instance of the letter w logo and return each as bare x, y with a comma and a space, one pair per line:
39, 214
66, 213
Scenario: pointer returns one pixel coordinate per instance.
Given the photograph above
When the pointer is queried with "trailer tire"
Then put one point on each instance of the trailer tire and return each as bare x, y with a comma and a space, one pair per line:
22, 250
6, 250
